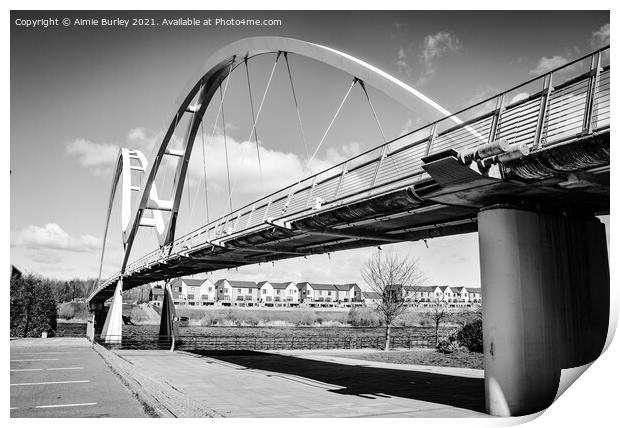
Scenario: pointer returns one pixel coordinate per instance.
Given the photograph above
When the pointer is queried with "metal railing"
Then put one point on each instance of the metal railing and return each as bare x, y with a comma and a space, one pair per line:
257, 343
566, 103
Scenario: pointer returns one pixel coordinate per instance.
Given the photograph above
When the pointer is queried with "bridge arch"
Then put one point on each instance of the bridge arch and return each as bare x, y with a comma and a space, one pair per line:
203, 87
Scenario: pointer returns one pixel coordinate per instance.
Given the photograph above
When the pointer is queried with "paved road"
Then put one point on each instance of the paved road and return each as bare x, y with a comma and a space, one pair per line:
261, 384
65, 378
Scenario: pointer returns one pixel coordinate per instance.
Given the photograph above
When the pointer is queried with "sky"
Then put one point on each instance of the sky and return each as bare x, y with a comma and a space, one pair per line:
78, 94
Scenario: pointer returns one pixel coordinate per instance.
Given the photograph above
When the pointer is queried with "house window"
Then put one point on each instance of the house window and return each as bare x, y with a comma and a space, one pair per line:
209, 289
264, 291
278, 291
190, 296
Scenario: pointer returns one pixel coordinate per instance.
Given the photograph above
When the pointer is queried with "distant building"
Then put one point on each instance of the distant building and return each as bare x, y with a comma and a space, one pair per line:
372, 299
278, 294
348, 294
236, 293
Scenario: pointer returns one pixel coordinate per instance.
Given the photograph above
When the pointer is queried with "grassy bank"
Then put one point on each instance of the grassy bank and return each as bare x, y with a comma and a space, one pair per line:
424, 357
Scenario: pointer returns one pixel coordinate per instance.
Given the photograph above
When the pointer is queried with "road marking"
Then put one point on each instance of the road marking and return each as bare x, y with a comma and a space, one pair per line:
65, 368
36, 359
50, 369
49, 383
38, 353
65, 405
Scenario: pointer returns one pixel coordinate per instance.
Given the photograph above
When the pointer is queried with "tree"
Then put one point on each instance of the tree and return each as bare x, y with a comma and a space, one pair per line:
437, 314
387, 273
33, 307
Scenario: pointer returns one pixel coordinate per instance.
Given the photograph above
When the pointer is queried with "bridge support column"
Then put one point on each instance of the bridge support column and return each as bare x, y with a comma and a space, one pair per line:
168, 327
113, 327
545, 285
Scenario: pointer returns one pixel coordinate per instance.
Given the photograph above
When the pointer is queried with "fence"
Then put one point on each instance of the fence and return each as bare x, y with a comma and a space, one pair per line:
256, 343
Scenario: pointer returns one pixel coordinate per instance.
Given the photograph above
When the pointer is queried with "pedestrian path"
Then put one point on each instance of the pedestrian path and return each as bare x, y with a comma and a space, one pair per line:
261, 384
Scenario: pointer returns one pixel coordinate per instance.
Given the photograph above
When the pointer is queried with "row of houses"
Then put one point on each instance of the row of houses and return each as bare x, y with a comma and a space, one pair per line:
432, 295
224, 292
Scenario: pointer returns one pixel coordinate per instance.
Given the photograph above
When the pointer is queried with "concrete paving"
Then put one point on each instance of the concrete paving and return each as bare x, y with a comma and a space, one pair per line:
65, 378
262, 384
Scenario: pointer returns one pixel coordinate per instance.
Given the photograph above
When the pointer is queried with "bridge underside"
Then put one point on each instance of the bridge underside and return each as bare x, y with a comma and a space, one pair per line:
445, 201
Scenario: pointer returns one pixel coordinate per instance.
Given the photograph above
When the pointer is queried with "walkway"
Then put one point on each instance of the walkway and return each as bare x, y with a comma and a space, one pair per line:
261, 384
65, 378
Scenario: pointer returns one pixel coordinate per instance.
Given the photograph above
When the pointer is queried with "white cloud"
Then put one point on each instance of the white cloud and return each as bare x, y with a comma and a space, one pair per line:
600, 37
520, 96
54, 237
402, 66
98, 157
546, 64
436, 46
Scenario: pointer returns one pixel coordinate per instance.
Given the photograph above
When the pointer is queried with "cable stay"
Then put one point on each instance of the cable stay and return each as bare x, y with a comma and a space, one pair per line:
260, 169
355, 80
260, 108
374, 113
226, 150
301, 127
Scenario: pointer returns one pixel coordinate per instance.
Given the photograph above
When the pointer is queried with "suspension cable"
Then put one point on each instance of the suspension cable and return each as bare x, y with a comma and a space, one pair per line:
355, 80
374, 113
301, 127
260, 169
260, 108
204, 168
226, 150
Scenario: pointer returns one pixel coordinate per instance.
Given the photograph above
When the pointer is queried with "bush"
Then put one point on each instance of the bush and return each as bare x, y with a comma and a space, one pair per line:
73, 310
470, 336
138, 315
304, 317
363, 317
33, 307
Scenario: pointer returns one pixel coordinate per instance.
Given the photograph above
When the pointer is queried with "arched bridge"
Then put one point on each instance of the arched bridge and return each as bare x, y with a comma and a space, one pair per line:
541, 147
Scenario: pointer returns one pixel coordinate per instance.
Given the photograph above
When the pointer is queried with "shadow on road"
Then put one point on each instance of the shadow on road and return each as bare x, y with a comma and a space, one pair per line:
367, 382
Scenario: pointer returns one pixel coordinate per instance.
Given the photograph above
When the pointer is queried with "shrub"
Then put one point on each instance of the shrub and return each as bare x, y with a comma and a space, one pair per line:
305, 317
470, 336
363, 317
450, 345
33, 307
73, 310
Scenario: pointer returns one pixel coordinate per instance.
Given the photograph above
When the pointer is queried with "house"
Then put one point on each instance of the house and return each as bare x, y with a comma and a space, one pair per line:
236, 293
461, 296
192, 292
348, 294
475, 295
418, 294
157, 296
317, 295
278, 294
372, 299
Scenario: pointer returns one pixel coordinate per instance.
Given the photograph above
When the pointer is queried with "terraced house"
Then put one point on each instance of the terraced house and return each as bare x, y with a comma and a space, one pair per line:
278, 294
237, 293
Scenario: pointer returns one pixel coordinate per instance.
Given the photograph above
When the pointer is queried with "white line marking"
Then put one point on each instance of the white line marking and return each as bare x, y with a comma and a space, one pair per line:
14, 408
36, 359
66, 368
38, 353
65, 405
49, 383
26, 370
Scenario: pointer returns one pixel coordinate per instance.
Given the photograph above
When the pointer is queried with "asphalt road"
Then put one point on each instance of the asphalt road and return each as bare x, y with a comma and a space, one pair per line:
65, 378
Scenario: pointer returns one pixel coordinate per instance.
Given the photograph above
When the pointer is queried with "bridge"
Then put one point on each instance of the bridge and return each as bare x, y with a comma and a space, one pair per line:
529, 173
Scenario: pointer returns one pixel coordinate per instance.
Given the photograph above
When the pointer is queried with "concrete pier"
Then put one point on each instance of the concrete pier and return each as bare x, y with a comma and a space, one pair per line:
545, 282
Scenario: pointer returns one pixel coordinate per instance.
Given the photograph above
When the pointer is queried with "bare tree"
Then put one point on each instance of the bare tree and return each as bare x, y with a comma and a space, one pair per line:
438, 313
387, 273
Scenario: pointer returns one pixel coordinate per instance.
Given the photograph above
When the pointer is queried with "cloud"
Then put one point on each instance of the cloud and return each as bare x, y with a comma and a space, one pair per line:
600, 37
436, 46
402, 66
52, 236
520, 96
98, 157
546, 64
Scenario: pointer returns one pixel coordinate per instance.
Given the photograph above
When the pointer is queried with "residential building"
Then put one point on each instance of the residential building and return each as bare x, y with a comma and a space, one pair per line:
278, 294
157, 296
348, 294
317, 295
372, 299
236, 293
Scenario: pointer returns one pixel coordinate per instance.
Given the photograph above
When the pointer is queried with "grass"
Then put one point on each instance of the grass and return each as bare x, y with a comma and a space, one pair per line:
424, 357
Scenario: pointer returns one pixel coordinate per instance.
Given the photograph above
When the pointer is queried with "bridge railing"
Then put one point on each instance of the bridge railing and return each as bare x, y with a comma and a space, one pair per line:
566, 103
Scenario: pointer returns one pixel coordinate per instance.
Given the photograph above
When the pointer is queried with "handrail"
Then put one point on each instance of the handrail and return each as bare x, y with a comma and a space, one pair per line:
335, 172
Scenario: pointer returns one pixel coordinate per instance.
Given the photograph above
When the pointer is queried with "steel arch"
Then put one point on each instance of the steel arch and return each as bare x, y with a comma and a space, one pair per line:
205, 84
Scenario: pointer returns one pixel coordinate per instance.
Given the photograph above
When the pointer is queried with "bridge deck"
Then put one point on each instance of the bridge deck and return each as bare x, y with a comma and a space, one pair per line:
404, 191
